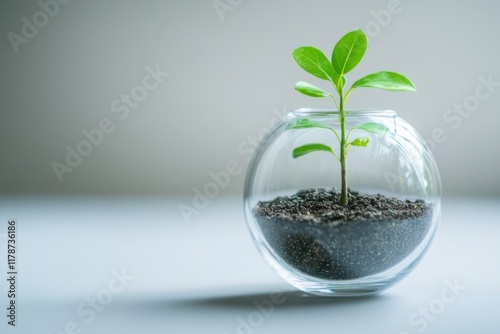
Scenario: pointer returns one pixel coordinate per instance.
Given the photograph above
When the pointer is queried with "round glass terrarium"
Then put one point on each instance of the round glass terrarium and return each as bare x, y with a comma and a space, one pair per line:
293, 209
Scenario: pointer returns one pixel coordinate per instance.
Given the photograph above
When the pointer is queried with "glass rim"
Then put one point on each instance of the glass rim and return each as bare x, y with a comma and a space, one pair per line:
330, 111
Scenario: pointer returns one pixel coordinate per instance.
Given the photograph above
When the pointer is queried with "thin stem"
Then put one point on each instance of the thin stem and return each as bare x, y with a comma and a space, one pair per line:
336, 134
349, 134
343, 146
348, 147
335, 154
335, 101
347, 95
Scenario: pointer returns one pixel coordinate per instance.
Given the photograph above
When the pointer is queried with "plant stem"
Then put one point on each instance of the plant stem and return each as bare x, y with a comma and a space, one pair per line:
344, 200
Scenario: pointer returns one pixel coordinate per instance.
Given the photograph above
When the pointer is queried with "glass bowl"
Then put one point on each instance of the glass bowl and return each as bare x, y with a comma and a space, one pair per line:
293, 213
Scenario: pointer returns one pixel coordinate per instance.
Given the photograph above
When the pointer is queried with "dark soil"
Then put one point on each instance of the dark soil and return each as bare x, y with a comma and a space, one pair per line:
311, 232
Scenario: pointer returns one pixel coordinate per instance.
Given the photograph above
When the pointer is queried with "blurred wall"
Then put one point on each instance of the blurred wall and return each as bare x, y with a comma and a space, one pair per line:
179, 89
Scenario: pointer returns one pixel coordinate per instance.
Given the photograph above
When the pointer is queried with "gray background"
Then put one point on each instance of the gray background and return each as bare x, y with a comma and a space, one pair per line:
227, 81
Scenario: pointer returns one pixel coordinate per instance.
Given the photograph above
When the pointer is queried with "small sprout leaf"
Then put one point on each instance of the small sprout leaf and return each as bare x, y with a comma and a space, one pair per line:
310, 90
362, 141
304, 123
385, 80
314, 62
349, 51
309, 148
342, 83
372, 127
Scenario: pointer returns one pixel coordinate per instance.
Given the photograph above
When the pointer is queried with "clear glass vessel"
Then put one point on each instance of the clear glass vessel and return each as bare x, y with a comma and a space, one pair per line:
336, 256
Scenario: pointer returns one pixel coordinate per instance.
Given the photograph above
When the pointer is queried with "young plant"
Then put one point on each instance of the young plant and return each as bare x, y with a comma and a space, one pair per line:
346, 55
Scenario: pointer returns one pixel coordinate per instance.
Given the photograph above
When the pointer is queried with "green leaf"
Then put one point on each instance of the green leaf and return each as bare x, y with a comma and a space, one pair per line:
309, 148
314, 61
372, 127
363, 141
305, 123
385, 80
310, 90
348, 51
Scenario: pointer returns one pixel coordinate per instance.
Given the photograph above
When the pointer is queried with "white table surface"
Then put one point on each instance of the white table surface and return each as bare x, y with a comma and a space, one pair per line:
204, 277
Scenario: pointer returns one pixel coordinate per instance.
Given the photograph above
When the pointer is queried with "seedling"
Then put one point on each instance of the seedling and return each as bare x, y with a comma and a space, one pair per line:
346, 55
